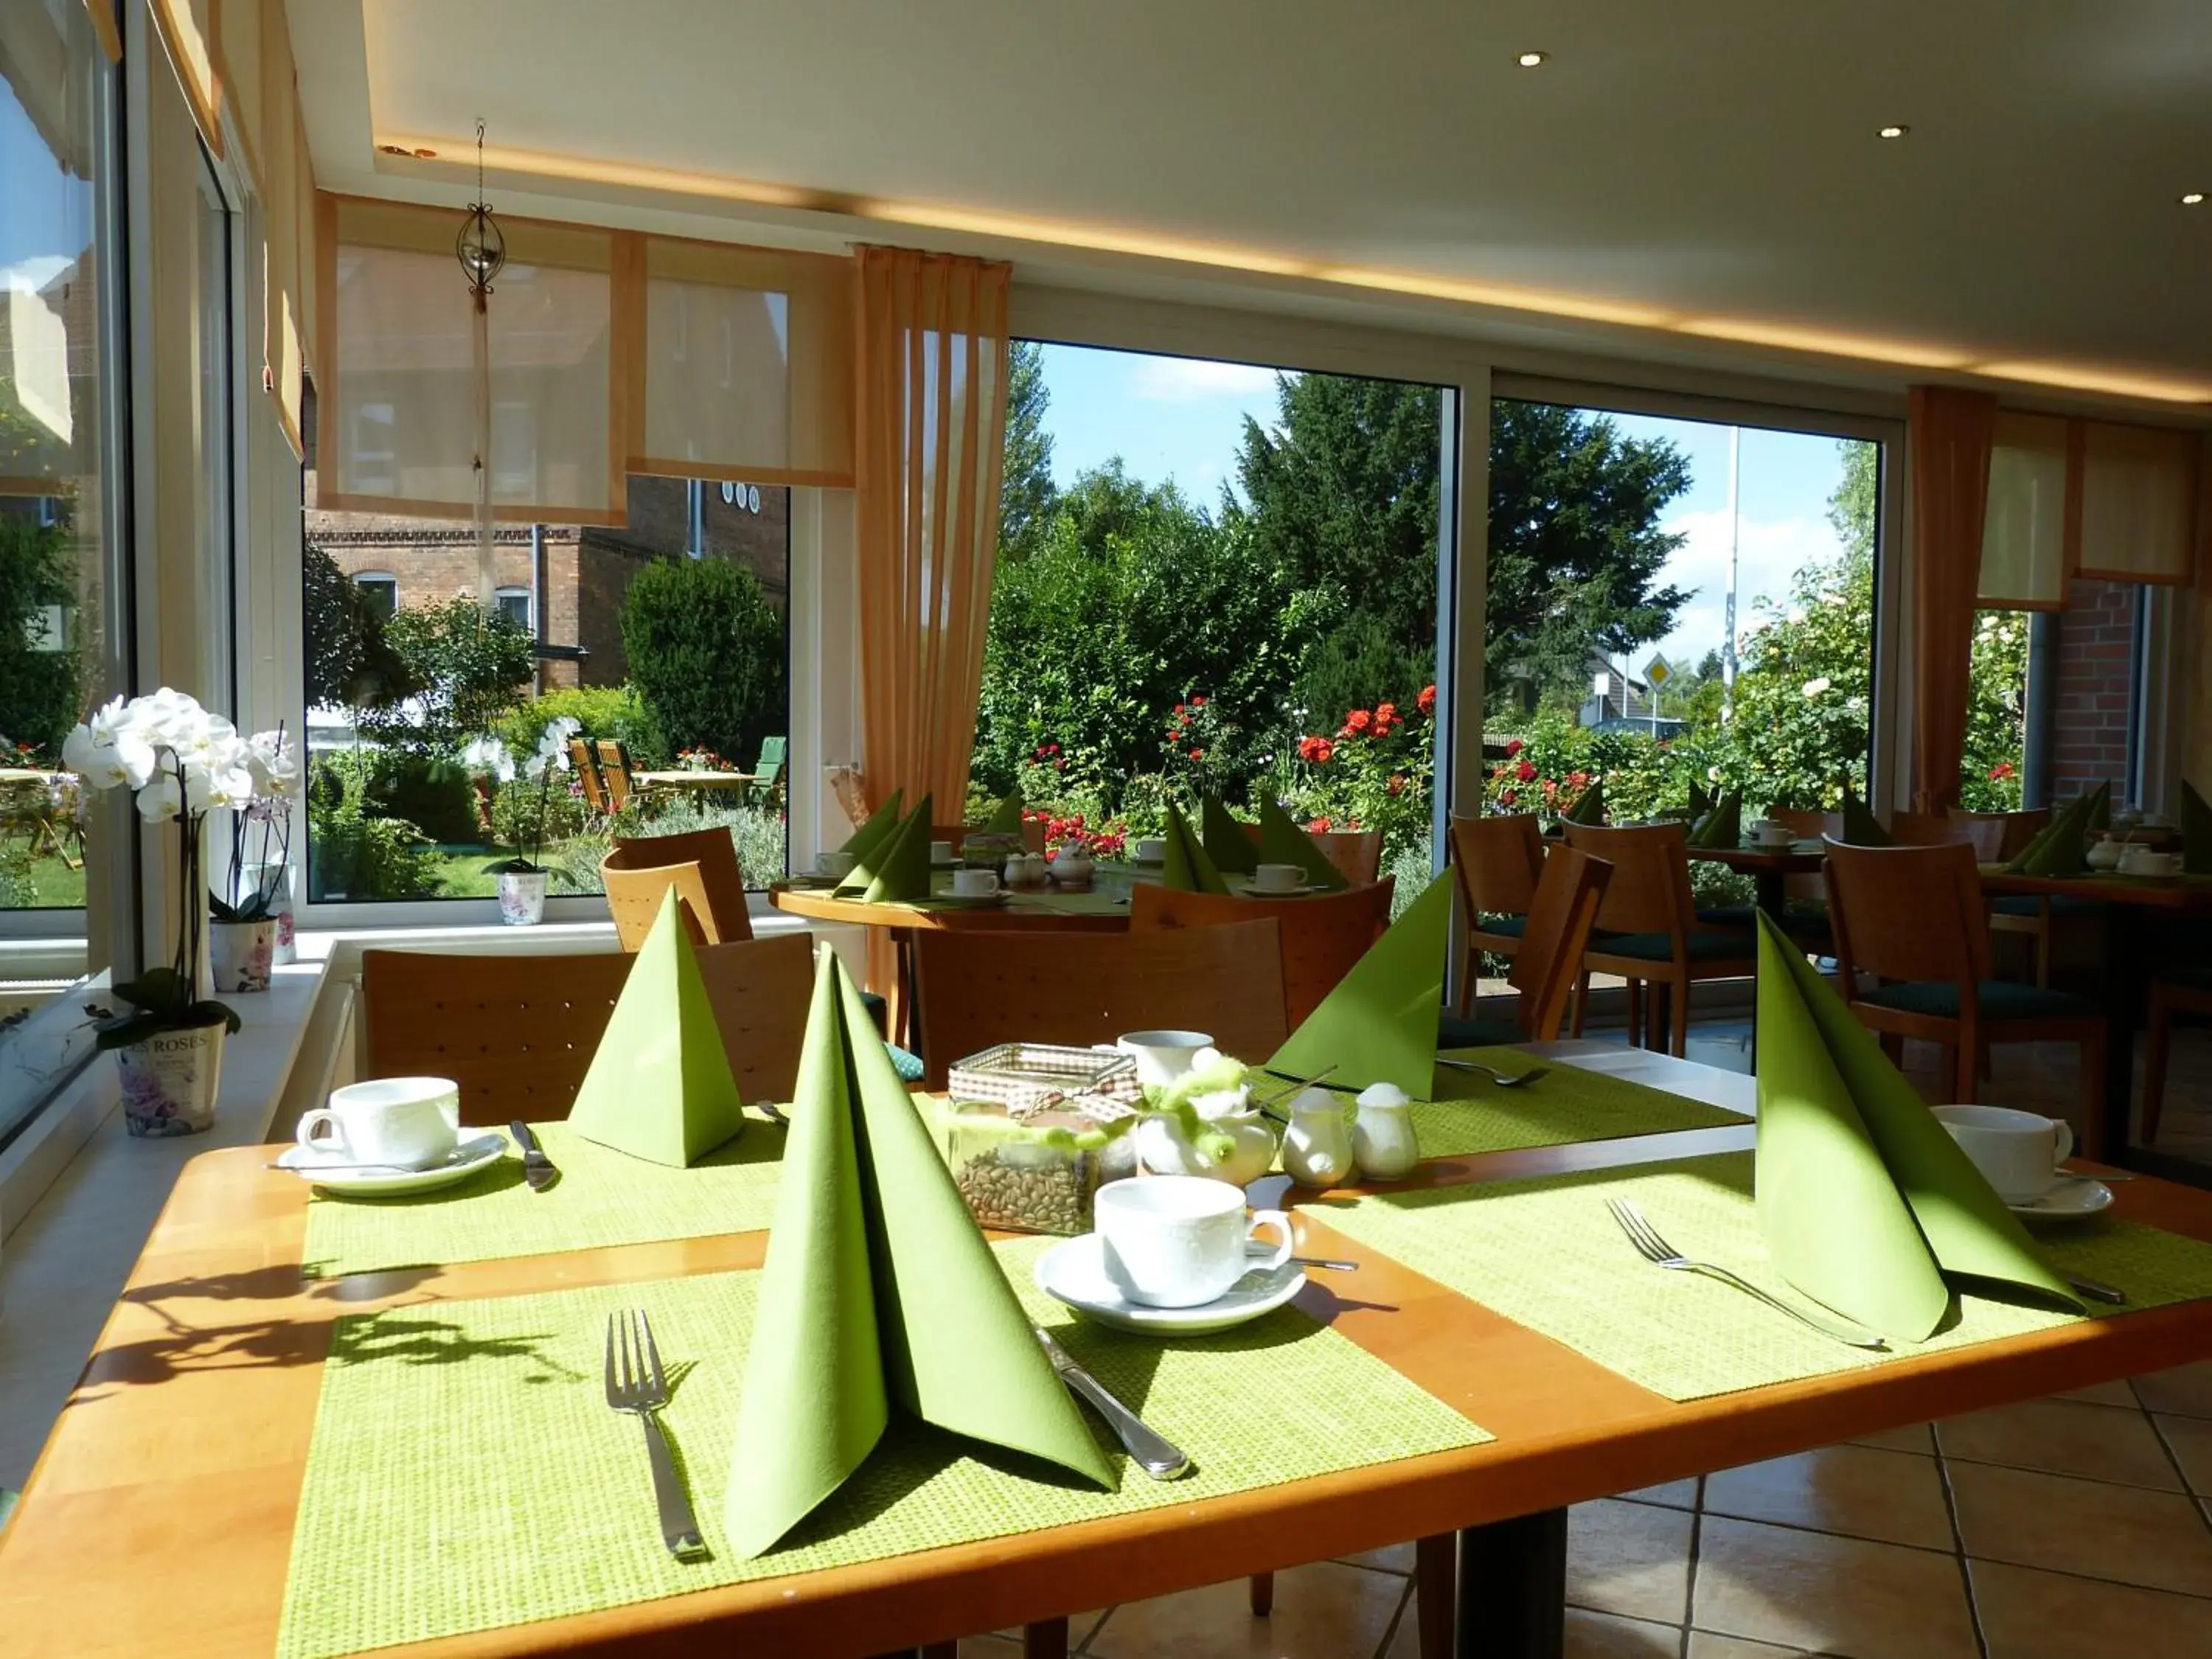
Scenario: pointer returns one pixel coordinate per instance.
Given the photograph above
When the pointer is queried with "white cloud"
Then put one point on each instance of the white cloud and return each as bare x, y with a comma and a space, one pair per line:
1769, 554
1185, 379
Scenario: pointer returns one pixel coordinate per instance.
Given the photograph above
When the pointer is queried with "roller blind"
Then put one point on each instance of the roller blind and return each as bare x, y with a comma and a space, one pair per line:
398, 432
241, 30
286, 272
742, 366
2138, 502
2024, 526
187, 28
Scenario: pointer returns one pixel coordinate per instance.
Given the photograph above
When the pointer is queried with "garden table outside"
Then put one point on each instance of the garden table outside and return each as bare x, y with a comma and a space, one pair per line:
703, 782
180, 1458
1767, 867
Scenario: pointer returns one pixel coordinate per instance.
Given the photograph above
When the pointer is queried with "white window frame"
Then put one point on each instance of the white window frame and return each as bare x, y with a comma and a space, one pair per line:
528, 616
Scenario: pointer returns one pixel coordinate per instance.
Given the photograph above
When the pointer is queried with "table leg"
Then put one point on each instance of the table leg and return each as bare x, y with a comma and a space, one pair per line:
1513, 1588
907, 1016
2126, 941
1768, 892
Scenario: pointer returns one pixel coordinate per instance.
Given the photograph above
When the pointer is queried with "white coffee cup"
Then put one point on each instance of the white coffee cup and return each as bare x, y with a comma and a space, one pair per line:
1279, 877
2019, 1151
2140, 861
975, 884
1162, 1056
940, 852
839, 864
1769, 833
390, 1120
1151, 849
1179, 1240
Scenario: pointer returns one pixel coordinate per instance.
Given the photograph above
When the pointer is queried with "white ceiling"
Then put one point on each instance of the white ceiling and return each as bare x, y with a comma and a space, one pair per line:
1698, 166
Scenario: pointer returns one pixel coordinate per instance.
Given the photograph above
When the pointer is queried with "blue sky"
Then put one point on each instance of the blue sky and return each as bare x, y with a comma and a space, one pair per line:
1179, 418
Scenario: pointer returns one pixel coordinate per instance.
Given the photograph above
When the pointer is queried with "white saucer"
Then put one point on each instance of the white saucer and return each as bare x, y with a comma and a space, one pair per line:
1073, 1271
2072, 1198
1249, 888
377, 1181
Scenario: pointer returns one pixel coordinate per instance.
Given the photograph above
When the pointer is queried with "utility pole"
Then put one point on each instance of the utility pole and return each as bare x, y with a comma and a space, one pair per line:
1736, 504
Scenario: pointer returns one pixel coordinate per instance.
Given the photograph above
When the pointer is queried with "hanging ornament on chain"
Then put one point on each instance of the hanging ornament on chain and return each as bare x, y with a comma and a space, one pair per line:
482, 249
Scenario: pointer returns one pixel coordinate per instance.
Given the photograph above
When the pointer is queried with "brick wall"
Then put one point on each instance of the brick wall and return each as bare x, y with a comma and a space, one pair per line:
2096, 667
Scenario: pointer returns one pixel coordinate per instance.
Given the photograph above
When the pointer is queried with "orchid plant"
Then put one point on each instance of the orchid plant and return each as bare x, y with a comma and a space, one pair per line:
180, 762
492, 757
265, 822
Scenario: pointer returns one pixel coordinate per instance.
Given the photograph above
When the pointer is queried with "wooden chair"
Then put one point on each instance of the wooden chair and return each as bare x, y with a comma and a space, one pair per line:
1496, 860
587, 773
1357, 853
1927, 829
1322, 934
1652, 934
1913, 916
518, 1032
701, 865
1547, 970
974, 988
2187, 992
614, 772
1999, 836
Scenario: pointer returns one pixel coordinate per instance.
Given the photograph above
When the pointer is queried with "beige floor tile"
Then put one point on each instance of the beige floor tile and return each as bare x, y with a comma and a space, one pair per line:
989, 1647
1892, 1496
1703, 1644
1675, 1494
2099, 1443
1842, 1595
2191, 1440
2101, 1394
1609, 1635
2186, 1390
1391, 1557
2122, 1533
1633, 1559
1914, 1437
1325, 1610
2026, 1614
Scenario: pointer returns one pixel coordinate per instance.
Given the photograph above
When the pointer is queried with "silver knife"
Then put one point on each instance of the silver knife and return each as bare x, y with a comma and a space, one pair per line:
1154, 1455
538, 1169
2096, 1290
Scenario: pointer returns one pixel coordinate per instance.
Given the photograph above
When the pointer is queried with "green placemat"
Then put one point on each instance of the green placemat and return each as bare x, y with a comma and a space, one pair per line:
1546, 1254
1095, 903
604, 1197
1566, 1104
466, 1474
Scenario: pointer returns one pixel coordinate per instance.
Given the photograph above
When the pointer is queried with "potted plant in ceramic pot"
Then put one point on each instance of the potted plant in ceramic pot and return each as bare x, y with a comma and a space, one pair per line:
522, 875
180, 762
244, 911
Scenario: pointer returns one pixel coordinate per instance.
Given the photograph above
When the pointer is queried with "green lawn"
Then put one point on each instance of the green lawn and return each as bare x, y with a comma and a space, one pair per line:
57, 885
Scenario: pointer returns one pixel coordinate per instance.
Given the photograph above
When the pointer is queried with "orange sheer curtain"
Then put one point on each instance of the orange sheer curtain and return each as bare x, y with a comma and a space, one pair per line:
1948, 433
932, 416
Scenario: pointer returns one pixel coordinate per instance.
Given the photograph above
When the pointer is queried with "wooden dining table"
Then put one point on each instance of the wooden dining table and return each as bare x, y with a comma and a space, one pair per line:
1769, 867
160, 1516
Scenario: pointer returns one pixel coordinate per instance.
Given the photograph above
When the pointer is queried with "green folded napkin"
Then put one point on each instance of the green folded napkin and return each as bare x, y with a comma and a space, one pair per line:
873, 833
660, 1085
1722, 826
1865, 1202
1861, 827
2196, 831
2060, 847
1588, 807
1186, 866
1005, 818
1379, 1024
1701, 800
1281, 842
897, 867
1233, 852
2100, 806
879, 1291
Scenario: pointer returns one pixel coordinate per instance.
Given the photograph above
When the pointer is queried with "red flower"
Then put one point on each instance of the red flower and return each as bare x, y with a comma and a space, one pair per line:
1386, 711
1397, 783
1198, 703
1358, 721
1578, 779
2001, 771
1198, 754
1507, 797
1179, 708
1318, 750
1427, 703
1525, 772
1319, 824
1514, 747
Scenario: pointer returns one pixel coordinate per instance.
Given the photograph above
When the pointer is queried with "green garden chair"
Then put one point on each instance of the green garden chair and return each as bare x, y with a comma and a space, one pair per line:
767, 770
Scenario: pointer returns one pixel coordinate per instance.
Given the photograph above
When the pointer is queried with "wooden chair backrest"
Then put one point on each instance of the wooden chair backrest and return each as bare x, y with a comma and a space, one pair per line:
1498, 857
614, 772
1322, 935
1549, 961
975, 989
587, 773
2014, 831
1356, 853
1650, 892
640, 868
1927, 828
1807, 824
1908, 913
517, 1033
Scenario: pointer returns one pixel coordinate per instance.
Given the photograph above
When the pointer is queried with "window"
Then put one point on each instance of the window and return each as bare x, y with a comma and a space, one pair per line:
375, 451
422, 718
1215, 578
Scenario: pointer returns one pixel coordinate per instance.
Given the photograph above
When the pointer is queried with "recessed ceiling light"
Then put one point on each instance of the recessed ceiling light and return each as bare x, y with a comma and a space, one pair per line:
1893, 131
2194, 198
395, 150
1531, 59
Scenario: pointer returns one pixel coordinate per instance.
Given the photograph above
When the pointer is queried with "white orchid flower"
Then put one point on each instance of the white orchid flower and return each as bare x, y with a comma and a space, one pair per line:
208, 743
489, 755
167, 716
159, 799
105, 758
225, 787
275, 765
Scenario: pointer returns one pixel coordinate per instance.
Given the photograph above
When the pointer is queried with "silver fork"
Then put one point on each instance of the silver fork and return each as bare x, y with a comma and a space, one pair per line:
1503, 1080
636, 1384
1654, 1249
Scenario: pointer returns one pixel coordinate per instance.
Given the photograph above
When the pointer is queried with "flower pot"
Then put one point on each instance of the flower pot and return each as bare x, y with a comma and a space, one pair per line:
242, 952
169, 1082
522, 897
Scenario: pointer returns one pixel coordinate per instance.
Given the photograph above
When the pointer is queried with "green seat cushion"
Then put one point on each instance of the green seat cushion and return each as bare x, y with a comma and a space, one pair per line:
2024, 904
7, 1503
908, 1066
1455, 1031
2000, 999
1660, 947
1730, 915
1504, 923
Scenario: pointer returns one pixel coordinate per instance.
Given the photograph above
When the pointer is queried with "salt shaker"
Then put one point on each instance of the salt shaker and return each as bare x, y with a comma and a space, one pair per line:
1384, 1144
1318, 1146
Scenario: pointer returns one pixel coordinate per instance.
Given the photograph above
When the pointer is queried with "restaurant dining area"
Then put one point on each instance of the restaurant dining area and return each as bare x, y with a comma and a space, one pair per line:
982, 832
